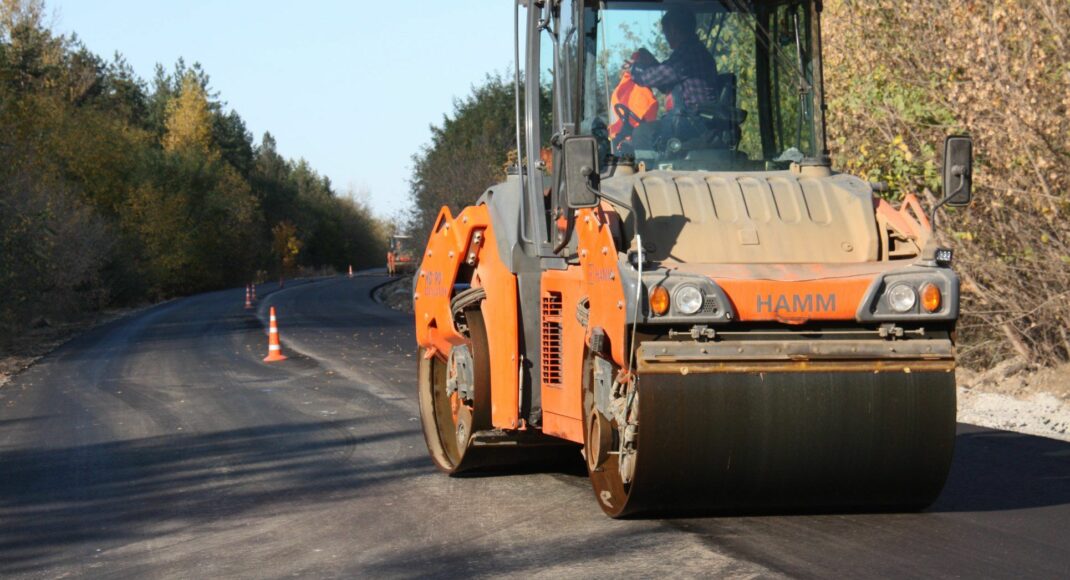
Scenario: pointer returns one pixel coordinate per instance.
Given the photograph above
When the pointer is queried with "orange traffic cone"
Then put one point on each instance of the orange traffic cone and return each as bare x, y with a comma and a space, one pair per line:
274, 349
253, 286
248, 298
351, 270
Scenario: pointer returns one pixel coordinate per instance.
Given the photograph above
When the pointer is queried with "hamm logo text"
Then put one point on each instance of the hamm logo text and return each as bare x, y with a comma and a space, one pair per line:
797, 303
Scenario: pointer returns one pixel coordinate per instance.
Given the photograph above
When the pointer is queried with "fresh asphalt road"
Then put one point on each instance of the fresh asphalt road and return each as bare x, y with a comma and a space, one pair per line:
160, 445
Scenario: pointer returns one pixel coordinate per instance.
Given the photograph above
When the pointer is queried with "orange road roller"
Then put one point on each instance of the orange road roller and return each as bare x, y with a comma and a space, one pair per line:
399, 259
676, 281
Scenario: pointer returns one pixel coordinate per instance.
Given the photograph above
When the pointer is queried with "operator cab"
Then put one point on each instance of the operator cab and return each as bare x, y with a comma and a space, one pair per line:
671, 92
735, 93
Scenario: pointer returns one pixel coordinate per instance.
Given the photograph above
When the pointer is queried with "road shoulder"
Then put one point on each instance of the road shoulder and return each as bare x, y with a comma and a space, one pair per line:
33, 345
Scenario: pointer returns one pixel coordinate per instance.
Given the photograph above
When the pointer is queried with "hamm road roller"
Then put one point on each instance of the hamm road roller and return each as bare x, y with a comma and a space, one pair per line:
675, 280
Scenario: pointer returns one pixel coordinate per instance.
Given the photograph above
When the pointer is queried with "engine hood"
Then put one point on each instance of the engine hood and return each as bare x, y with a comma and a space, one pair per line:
775, 217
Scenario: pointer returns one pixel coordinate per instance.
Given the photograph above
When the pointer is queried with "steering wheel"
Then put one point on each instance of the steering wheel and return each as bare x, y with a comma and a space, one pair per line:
629, 121
626, 115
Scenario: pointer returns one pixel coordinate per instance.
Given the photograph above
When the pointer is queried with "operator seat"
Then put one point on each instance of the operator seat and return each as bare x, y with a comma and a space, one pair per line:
723, 120
717, 124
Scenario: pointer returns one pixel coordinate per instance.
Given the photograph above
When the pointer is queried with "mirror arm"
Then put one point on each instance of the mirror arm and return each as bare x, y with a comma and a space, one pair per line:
594, 191
570, 225
960, 172
936, 208
594, 179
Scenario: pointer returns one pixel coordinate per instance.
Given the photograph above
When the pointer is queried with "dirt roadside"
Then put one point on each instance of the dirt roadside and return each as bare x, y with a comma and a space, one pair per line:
1013, 396
396, 294
47, 335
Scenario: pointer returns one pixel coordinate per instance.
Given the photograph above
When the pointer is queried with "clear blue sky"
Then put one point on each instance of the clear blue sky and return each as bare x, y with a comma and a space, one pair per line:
351, 86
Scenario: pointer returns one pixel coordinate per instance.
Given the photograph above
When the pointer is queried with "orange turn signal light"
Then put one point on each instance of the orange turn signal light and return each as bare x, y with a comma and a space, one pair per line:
659, 300
930, 297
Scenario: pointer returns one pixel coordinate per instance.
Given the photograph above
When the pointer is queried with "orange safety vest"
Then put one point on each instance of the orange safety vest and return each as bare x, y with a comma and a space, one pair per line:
639, 99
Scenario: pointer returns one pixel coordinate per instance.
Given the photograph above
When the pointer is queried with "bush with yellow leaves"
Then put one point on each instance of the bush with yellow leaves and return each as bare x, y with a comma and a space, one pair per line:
901, 76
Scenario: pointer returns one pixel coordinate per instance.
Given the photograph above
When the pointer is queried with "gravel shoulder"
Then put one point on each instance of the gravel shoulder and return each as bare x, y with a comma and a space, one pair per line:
1013, 396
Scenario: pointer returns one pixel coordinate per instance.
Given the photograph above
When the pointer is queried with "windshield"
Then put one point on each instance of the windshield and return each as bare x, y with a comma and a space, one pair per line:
719, 85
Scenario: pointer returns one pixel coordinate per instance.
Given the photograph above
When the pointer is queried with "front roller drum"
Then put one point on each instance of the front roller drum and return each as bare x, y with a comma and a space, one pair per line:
455, 412
793, 441
452, 414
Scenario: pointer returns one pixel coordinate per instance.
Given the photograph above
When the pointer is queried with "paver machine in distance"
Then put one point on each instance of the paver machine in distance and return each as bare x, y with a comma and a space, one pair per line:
689, 291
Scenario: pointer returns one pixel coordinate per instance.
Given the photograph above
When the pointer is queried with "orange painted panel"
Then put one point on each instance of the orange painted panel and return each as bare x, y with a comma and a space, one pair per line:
448, 246
563, 427
500, 312
601, 273
796, 302
562, 394
434, 285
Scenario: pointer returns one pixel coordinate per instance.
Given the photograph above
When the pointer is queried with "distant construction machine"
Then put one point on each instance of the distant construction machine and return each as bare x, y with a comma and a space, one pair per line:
689, 291
399, 259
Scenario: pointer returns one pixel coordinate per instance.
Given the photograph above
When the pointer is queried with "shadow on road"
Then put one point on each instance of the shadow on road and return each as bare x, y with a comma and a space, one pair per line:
51, 499
1000, 470
580, 551
137, 489
992, 471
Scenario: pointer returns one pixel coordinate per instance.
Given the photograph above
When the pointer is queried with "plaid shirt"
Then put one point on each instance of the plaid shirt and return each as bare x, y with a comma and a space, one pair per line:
691, 70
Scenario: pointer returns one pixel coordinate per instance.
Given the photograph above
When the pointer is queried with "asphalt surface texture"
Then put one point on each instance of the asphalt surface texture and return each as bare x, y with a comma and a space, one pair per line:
161, 446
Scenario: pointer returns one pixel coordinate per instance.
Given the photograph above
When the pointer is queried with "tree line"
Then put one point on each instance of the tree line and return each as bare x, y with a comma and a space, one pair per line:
471, 150
994, 70
115, 190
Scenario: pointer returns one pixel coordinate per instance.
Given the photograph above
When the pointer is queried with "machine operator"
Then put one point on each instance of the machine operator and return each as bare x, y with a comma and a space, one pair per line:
689, 75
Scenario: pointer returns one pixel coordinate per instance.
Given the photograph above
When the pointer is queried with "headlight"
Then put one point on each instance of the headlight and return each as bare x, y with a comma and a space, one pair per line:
688, 300
902, 298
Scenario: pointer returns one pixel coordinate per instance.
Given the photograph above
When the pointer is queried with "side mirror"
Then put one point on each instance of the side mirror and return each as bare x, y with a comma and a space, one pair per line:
958, 171
580, 154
